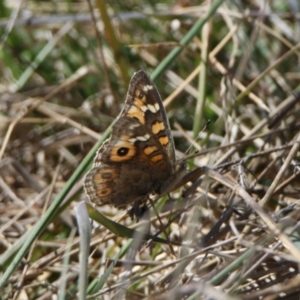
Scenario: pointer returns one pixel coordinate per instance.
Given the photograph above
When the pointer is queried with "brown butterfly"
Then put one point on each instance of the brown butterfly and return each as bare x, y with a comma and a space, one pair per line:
139, 157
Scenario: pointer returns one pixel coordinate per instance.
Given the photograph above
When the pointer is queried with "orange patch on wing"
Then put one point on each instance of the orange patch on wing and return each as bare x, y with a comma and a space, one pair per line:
105, 176
138, 102
139, 94
116, 157
135, 112
164, 140
157, 127
156, 158
103, 192
149, 150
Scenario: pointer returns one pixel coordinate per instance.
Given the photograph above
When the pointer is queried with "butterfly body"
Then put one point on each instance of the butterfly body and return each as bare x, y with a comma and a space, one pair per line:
139, 157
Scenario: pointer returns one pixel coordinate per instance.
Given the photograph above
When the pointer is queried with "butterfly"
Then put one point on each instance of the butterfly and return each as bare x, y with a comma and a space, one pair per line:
139, 157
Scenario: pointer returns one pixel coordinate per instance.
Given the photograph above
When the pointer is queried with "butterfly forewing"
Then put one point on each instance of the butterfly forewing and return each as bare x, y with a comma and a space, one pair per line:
144, 103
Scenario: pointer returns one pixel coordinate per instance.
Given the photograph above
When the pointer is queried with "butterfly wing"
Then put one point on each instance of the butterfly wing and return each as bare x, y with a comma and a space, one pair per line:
144, 103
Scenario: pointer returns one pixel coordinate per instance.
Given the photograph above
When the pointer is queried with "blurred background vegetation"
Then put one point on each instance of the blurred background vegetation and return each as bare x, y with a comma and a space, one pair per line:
231, 92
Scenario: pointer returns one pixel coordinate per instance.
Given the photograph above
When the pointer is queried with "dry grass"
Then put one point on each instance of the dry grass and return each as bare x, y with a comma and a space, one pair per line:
231, 235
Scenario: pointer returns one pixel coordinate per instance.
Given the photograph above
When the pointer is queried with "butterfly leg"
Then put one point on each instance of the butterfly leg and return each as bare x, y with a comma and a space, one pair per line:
137, 211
